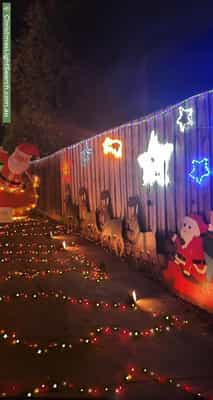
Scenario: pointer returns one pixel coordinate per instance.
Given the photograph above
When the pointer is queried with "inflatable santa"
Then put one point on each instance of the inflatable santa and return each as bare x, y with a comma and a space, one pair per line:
15, 165
17, 186
189, 249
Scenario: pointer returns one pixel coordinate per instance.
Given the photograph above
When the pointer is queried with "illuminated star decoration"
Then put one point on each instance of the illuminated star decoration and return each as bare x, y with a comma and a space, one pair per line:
85, 154
155, 162
200, 170
185, 118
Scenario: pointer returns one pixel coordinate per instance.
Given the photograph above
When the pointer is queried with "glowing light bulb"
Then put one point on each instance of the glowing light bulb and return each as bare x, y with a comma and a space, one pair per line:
139, 302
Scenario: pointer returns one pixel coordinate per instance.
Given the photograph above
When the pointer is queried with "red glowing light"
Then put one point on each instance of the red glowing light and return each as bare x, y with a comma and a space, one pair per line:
187, 388
162, 379
119, 389
107, 331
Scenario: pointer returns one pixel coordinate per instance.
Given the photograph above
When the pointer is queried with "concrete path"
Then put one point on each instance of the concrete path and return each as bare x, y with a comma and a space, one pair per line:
183, 353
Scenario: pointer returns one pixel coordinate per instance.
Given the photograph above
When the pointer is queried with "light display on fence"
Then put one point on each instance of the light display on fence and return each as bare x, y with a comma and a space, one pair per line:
66, 172
113, 146
65, 169
85, 154
184, 119
200, 170
155, 162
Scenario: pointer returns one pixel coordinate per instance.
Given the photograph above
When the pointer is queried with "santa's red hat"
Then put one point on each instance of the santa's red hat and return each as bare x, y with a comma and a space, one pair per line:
28, 149
203, 228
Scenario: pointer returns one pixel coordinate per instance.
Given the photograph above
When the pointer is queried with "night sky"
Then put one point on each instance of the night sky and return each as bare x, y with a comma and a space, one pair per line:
137, 57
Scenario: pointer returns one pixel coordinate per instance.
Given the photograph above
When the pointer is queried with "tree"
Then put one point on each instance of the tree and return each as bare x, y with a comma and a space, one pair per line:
42, 68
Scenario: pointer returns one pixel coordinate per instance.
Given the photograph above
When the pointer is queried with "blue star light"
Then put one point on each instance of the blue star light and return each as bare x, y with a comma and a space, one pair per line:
200, 170
85, 154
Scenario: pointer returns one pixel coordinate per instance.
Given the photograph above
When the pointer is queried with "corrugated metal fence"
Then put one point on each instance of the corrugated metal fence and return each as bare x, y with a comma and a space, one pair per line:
163, 207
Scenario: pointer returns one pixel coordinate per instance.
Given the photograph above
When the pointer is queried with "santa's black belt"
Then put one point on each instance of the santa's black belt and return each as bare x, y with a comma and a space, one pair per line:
8, 181
193, 261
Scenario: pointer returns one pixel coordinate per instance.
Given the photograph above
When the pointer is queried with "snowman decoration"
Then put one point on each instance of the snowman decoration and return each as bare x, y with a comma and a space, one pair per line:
190, 254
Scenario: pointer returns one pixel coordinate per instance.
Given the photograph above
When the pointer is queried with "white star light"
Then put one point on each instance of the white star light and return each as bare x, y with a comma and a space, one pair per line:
155, 162
185, 118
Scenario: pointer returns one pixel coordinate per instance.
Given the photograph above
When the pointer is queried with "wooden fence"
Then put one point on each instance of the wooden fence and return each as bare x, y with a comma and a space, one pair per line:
188, 126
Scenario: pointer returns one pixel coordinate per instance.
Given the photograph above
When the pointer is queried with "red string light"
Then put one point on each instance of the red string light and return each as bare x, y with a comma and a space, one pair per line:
138, 374
60, 296
34, 253
12, 339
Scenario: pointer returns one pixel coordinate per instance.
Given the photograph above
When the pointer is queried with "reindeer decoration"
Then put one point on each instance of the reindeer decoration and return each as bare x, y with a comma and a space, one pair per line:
71, 211
140, 245
111, 229
88, 224
104, 212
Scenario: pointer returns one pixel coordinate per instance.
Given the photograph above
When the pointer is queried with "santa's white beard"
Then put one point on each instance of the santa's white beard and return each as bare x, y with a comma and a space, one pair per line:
187, 237
17, 167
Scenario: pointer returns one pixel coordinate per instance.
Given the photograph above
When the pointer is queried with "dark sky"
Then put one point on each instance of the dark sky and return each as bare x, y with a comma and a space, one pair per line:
137, 56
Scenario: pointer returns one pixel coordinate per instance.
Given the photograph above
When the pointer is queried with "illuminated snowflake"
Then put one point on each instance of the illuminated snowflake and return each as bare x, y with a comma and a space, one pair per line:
85, 154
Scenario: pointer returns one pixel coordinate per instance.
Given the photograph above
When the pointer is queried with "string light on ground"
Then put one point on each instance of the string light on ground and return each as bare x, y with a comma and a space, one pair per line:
11, 338
144, 374
171, 322
39, 254
134, 375
30, 228
164, 324
90, 274
65, 386
70, 387
98, 304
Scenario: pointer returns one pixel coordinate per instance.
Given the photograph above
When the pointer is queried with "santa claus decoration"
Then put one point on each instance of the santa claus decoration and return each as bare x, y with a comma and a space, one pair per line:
17, 185
190, 273
189, 248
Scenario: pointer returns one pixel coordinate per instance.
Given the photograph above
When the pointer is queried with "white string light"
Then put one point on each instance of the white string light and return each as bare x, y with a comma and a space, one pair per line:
137, 122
